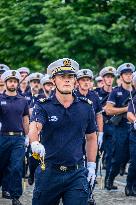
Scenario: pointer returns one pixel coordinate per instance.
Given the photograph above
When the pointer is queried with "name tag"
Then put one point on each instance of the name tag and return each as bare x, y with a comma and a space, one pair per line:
53, 118
119, 93
28, 98
3, 102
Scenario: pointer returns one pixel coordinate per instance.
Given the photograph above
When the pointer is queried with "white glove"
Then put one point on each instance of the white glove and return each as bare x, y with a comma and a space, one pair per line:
135, 124
38, 148
91, 166
100, 139
26, 141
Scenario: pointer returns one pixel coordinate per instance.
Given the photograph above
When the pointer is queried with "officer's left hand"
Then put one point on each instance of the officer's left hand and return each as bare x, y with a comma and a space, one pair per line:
91, 166
100, 139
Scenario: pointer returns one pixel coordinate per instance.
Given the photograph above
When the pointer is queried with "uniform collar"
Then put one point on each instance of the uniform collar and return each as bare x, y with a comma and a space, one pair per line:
103, 91
55, 100
78, 93
7, 96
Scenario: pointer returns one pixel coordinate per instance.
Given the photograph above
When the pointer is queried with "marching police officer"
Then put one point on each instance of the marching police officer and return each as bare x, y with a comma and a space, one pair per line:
4, 179
15, 123
107, 74
130, 189
99, 82
65, 120
34, 95
23, 86
47, 85
84, 79
34, 80
117, 104
3, 68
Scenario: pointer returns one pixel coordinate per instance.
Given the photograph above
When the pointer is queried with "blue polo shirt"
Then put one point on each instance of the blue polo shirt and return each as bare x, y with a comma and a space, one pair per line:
103, 97
64, 129
93, 96
12, 111
117, 98
132, 106
35, 98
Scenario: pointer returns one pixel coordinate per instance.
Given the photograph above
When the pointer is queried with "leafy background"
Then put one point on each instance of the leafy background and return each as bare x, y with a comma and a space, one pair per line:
94, 33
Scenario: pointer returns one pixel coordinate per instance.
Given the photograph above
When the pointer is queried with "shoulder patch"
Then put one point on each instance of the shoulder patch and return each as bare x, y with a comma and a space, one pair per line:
86, 100
42, 100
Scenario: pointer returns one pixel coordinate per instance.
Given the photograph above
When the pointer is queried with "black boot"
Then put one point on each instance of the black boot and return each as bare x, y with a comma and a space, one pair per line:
122, 170
128, 191
30, 180
16, 202
109, 184
6, 195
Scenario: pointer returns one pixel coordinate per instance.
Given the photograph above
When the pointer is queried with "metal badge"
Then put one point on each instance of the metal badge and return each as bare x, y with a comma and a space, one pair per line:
63, 168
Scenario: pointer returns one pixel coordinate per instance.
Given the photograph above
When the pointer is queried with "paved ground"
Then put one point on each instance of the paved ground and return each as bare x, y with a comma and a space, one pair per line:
102, 196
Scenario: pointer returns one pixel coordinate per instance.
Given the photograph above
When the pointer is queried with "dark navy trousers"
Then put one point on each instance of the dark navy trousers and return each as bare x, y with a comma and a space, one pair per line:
108, 146
12, 152
51, 185
120, 148
131, 178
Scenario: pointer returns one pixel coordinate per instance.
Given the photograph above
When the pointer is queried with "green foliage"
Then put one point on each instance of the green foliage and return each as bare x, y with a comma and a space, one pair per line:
95, 33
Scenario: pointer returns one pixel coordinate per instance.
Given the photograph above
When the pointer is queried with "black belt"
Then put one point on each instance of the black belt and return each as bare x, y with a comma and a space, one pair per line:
64, 168
12, 133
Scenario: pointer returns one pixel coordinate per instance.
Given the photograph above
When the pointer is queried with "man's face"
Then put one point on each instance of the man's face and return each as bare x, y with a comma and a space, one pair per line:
12, 84
48, 87
65, 83
23, 75
100, 84
108, 79
85, 83
35, 85
126, 77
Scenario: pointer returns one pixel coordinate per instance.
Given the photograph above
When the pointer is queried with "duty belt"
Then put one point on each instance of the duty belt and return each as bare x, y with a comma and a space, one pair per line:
12, 133
64, 168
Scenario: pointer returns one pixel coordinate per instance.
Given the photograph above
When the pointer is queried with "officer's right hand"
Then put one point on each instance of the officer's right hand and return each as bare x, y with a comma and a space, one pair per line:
38, 148
134, 125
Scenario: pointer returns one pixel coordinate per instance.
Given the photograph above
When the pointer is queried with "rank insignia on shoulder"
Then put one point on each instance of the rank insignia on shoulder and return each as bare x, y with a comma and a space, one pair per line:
89, 101
86, 100
42, 100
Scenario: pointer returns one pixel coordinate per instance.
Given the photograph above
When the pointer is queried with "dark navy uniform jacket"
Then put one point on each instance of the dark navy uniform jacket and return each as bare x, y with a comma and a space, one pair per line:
132, 106
93, 96
118, 97
35, 98
64, 129
103, 97
12, 110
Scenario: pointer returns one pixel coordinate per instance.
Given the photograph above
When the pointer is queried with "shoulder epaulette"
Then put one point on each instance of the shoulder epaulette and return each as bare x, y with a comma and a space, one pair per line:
42, 100
86, 100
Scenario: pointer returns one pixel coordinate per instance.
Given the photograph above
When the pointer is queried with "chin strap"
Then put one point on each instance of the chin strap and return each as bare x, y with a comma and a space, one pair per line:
63, 93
